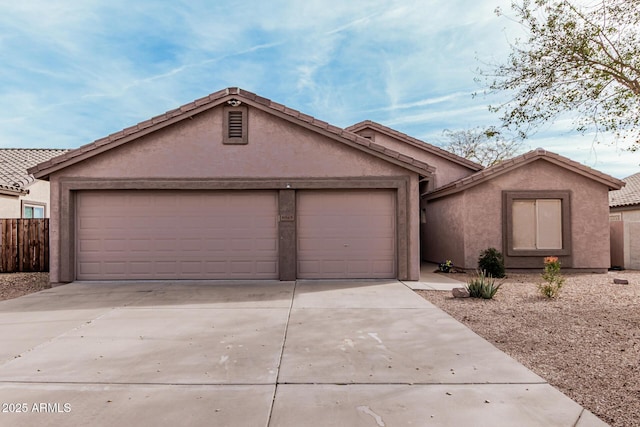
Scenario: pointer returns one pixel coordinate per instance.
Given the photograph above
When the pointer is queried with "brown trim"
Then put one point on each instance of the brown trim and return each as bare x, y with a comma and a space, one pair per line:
67, 236
511, 254
402, 231
70, 186
287, 238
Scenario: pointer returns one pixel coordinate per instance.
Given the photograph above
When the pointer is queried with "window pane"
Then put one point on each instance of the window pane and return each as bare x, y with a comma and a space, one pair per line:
38, 212
524, 224
28, 212
549, 223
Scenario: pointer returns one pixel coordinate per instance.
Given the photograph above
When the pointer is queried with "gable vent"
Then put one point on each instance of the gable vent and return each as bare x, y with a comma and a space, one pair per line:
235, 124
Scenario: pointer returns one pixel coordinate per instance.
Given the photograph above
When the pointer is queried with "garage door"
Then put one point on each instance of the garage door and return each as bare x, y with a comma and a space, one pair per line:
176, 235
346, 234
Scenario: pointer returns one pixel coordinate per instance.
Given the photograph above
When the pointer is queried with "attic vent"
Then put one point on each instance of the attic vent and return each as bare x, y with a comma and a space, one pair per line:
369, 135
235, 126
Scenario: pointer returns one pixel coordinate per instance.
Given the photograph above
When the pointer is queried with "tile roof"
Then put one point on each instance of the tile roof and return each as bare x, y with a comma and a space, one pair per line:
519, 161
186, 111
14, 163
627, 196
416, 142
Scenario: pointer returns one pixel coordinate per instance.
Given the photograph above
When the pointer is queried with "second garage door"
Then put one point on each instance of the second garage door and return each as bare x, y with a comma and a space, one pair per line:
346, 234
166, 234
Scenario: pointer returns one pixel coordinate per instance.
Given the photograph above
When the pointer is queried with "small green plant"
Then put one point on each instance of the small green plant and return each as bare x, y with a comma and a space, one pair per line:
491, 262
445, 266
552, 277
482, 286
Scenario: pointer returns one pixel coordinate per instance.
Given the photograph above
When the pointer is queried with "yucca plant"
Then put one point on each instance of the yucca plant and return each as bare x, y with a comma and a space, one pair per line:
482, 286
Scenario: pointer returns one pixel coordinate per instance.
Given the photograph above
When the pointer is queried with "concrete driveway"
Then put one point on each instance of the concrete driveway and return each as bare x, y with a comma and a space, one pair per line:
325, 353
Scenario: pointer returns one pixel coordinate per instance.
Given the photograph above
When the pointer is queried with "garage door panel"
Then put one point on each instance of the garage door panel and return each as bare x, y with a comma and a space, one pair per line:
216, 267
346, 234
176, 234
381, 266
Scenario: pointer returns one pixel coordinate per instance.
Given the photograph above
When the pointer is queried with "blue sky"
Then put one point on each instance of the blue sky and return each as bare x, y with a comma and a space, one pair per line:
75, 71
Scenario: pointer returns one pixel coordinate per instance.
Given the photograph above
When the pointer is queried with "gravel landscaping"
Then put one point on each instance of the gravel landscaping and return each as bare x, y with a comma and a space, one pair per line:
586, 342
14, 285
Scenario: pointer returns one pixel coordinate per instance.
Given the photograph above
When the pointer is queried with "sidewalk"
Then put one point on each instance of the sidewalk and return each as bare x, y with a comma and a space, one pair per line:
431, 281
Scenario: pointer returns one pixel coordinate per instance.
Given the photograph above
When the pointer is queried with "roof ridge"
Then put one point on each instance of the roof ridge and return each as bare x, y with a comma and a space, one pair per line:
521, 160
434, 149
212, 100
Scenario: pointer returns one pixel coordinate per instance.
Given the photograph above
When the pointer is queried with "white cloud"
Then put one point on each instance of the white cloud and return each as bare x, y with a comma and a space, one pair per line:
71, 72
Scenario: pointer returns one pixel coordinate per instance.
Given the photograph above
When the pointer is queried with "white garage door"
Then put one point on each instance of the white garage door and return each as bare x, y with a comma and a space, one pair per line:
346, 234
140, 234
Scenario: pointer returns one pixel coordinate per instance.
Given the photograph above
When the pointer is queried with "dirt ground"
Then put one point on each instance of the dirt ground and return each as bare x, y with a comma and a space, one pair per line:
586, 342
14, 285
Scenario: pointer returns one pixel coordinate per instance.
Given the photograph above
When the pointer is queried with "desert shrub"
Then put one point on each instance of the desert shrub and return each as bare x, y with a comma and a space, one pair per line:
482, 286
553, 280
491, 262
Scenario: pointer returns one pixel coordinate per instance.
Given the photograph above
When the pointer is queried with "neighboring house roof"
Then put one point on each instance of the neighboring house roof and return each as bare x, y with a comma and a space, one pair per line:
186, 111
627, 196
519, 161
368, 124
14, 163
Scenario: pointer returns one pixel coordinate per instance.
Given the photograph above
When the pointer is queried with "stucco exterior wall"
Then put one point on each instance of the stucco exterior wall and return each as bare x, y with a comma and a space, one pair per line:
11, 206
461, 225
446, 170
414, 227
631, 237
39, 192
193, 148
484, 220
444, 230
589, 215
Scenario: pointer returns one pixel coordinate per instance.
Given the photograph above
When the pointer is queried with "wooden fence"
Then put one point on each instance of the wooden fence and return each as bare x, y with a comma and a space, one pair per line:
25, 245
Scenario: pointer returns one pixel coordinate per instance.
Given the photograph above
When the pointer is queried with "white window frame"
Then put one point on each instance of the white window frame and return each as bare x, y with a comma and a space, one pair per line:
33, 206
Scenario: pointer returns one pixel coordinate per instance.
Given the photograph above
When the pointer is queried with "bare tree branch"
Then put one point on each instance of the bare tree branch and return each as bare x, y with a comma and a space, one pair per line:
486, 146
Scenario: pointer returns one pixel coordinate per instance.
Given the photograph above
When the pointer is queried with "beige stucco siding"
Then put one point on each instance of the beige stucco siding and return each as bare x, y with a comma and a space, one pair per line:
11, 206
193, 149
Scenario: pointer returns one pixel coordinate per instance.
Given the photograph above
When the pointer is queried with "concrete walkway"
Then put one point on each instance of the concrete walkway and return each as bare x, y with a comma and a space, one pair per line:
432, 281
306, 353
